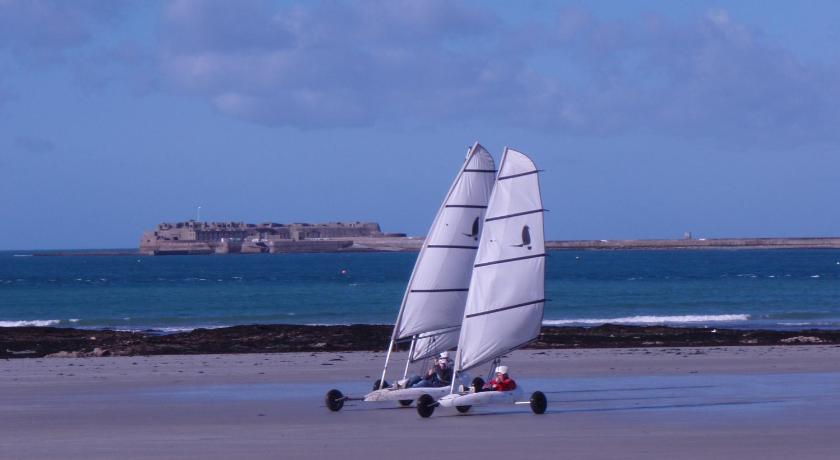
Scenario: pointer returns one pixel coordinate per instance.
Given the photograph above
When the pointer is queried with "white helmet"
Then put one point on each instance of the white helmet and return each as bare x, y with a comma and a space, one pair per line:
502, 370
444, 355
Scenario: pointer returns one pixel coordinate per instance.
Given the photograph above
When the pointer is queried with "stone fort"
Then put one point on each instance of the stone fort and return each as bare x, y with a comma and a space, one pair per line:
193, 237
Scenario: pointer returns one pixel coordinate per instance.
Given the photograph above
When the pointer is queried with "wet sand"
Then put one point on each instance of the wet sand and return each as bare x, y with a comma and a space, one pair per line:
711, 402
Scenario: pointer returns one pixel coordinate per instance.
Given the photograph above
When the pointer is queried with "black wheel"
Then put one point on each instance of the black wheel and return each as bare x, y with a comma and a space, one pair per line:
538, 402
406, 402
478, 384
426, 406
377, 382
334, 400
463, 409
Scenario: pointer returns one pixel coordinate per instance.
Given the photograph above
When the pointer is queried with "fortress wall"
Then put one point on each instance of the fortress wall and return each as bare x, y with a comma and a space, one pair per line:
183, 237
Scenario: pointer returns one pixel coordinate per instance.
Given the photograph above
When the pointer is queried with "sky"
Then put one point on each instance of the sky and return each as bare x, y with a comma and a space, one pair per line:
650, 118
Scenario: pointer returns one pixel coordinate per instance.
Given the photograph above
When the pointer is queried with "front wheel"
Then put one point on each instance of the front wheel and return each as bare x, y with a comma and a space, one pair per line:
406, 402
334, 400
377, 382
426, 406
538, 402
463, 409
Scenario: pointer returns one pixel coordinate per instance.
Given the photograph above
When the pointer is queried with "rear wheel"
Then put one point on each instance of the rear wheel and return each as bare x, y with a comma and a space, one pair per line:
426, 406
406, 402
377, 382
538, 402
463, 409
477, 384
334, 400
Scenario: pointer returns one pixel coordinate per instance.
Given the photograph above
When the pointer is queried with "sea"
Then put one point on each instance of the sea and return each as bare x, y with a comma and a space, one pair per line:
755, 289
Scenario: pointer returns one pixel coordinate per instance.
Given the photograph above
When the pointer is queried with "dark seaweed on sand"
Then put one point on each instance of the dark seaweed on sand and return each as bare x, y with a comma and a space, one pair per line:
25, 342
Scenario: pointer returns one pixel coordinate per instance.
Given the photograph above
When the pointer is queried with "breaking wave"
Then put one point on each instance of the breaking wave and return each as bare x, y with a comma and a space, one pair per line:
34, 322
679, 319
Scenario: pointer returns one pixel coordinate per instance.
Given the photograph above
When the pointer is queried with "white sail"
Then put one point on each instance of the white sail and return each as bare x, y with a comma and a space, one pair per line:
437, 291
432, 343
504, 307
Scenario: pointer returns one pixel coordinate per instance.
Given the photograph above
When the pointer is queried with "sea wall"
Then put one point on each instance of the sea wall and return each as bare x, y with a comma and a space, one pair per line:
703, 243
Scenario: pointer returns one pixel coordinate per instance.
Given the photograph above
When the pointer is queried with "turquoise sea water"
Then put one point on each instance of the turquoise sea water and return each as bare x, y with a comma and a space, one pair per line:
754, 289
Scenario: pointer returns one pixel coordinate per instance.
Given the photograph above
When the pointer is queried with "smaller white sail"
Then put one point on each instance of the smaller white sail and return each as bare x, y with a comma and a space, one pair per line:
437, 290
506, 294
432, 343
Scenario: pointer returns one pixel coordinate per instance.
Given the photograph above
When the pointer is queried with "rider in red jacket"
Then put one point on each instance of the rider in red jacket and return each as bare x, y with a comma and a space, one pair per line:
502, 381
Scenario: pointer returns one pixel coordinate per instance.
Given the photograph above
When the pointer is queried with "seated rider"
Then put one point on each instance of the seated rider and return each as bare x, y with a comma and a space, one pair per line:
438, 376
502, 381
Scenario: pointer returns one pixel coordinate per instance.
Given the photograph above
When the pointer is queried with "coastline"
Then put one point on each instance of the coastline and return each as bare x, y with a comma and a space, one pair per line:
413, 244
38, 342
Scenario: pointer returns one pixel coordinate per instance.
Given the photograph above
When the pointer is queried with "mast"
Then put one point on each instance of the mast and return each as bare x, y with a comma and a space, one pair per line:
410, 352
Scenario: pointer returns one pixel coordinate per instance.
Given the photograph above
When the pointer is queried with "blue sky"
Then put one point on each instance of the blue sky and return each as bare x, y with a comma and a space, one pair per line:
650, 118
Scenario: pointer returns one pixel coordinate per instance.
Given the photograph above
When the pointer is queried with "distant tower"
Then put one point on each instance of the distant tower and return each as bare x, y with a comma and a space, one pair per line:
687, 236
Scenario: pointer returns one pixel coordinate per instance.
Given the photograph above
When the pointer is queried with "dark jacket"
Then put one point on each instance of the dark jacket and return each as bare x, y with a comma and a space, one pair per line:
442, 377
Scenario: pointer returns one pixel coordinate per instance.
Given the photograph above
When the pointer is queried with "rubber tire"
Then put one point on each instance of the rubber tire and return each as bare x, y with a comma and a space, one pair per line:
376, 384
463, 409
478, 385
426, 406
334, 400
406, 402
539, 403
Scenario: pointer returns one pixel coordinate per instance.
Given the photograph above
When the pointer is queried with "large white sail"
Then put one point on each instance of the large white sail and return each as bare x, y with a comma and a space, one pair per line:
436, 294
504, 309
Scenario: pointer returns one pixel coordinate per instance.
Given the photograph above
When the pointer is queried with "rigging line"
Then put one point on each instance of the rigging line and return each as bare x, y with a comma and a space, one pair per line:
472, 206
480, 170
510, 349
489, 219
496, 310
518, 175
484, 264
516, 347
449, 246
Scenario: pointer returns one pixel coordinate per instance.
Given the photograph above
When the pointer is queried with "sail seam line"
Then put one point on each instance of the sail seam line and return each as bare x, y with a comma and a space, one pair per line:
441, 331
489, 219
445, 246
512, 176
439, 290
505, 308
434, 333
507, 260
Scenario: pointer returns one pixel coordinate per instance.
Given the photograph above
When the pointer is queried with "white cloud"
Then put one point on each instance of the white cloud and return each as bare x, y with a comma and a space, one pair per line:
335, 63
341, 63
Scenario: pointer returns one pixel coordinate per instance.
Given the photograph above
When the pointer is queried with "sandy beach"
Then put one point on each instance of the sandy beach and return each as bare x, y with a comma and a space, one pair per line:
718, 402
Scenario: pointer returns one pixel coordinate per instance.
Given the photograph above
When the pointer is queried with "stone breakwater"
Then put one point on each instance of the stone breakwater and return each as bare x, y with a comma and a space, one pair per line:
390, 243
36, 342
701, 243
